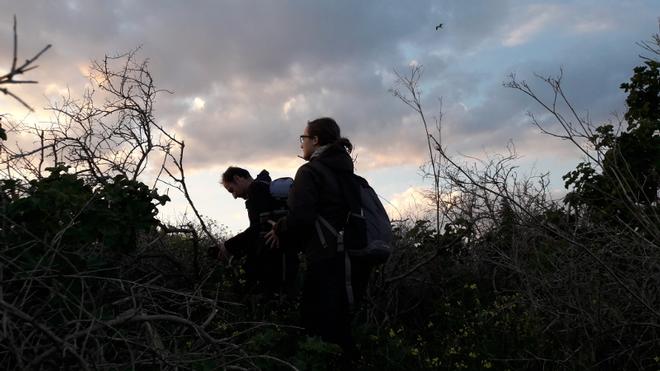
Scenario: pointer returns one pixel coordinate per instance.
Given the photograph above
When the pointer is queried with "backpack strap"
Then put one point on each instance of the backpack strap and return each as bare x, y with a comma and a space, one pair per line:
348, 280
340, 248
323, 221
319, 232
353, 201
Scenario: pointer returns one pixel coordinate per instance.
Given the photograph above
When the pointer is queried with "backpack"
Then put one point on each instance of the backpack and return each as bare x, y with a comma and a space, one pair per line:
279, 190
367, 233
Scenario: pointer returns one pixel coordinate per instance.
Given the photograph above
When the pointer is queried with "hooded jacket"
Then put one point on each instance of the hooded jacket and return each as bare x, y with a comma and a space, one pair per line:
263, 266
316, 191
258, 201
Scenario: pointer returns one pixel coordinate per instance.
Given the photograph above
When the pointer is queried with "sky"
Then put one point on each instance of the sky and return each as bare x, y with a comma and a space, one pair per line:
247, 75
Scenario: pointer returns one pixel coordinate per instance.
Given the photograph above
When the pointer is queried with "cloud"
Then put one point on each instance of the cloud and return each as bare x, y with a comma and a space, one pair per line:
246, 80
411, 203
538, 17
593, 25
297, 104
198, 104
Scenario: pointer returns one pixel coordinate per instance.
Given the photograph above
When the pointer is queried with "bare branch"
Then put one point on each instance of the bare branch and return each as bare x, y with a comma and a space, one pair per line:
9, 77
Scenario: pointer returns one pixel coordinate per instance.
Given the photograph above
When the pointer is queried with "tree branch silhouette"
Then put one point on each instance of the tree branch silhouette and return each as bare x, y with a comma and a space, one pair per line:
19, 69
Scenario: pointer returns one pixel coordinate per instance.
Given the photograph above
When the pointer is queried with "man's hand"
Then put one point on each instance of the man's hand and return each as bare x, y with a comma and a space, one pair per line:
271, 238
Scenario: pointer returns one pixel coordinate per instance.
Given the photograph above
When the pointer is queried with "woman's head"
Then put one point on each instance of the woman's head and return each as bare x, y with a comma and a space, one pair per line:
320, 132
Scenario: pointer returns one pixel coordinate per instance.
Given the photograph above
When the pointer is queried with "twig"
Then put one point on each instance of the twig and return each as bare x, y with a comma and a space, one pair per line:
15, 70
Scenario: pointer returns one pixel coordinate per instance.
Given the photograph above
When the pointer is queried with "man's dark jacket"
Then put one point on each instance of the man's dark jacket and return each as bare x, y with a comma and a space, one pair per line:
264, 266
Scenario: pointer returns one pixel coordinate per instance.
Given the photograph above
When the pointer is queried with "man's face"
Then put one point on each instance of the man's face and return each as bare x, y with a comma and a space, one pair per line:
237, 187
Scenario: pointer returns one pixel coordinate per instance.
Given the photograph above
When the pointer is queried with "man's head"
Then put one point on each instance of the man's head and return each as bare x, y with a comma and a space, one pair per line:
236, 181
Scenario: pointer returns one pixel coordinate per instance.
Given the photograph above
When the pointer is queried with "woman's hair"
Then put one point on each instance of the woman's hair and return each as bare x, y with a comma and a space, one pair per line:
327, 130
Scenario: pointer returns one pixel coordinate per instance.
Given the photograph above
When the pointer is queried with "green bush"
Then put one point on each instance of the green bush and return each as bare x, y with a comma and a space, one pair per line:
64, 211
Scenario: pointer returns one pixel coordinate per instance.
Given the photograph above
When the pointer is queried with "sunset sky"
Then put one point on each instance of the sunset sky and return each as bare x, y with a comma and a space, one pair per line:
247, 75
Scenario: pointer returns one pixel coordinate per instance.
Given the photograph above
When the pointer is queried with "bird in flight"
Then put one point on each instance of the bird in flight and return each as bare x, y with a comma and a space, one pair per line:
438, 27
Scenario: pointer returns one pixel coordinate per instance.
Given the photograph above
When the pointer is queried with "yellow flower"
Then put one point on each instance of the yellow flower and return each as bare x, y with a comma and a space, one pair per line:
392, 333
486, 364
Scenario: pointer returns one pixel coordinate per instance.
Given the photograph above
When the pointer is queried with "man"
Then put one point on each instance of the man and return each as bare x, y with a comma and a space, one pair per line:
267, 270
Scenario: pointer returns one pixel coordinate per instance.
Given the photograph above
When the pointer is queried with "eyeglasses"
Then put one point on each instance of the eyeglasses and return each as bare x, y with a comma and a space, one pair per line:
302, 137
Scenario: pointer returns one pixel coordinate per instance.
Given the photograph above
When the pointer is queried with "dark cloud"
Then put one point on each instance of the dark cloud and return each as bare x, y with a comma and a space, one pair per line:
262, 69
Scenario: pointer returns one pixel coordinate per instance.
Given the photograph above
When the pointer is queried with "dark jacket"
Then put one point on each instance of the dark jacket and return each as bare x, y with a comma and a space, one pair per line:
316, 191
258, 200
263, 265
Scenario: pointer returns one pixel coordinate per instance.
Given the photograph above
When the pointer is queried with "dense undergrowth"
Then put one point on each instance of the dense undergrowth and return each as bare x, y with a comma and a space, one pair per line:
516, 297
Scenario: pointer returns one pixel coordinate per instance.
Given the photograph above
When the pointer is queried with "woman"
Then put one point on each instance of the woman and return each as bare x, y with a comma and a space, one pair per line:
317, 192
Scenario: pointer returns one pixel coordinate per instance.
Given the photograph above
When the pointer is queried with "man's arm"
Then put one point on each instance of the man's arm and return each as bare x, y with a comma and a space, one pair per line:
238, 245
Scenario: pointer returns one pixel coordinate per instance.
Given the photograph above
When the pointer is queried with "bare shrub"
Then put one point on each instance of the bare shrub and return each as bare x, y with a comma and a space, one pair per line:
585, 268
